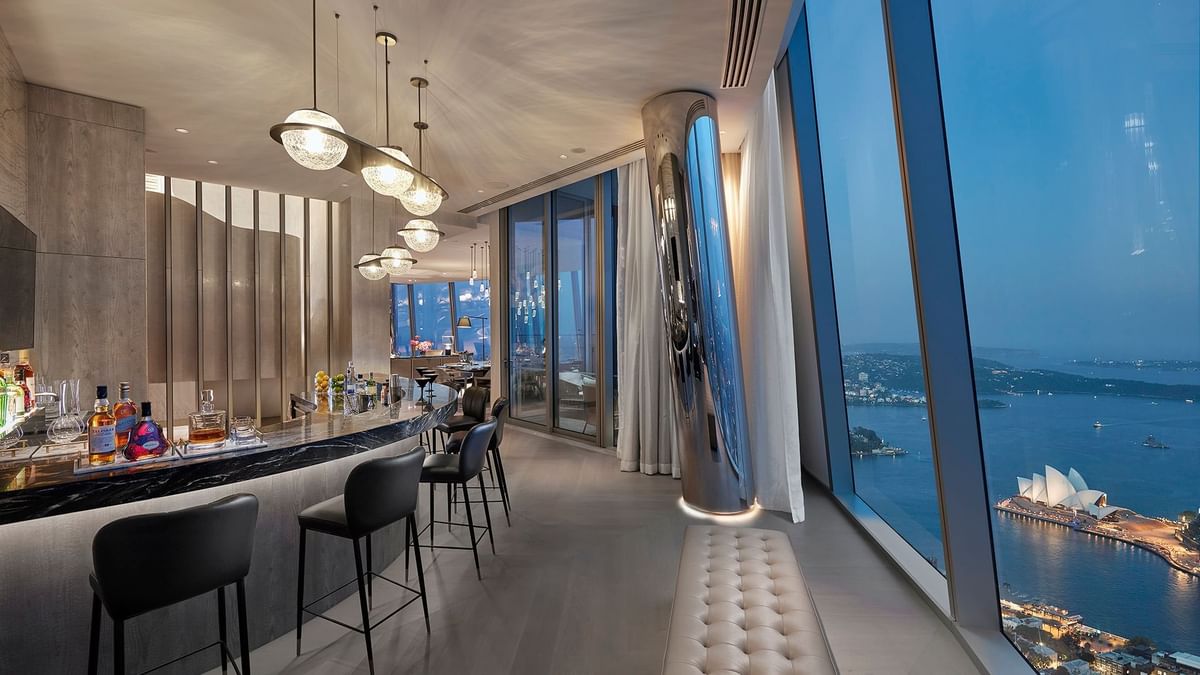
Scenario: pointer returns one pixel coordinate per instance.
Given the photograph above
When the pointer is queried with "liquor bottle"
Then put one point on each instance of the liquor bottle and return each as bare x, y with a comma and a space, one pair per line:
125, 413
146, 439
206, 428
350, 398
101, 431
28, 376
19, 377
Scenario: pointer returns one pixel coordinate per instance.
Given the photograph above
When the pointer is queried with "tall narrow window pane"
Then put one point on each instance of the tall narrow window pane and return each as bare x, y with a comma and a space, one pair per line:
881, 363
431, 314
575, 306
472, 302
527, 310
401, 325
1075, 154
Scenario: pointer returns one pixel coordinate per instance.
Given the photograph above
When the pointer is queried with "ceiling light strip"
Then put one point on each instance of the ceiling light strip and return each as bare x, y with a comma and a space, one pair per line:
557, 175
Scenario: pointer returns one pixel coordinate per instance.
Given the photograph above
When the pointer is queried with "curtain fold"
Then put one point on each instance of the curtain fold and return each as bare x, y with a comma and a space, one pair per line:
646, 441
758, 245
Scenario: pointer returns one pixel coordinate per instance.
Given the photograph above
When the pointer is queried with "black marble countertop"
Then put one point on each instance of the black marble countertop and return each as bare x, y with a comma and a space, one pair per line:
40, 487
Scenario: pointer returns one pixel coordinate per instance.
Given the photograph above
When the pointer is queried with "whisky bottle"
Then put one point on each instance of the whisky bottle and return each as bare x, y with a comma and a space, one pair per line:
101, 431
125, 413
206, 428
146, 439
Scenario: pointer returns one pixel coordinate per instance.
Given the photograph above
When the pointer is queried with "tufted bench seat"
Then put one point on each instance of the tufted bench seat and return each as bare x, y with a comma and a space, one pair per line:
742, 608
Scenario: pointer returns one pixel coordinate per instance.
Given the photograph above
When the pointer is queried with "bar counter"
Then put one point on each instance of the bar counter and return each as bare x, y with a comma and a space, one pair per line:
49, 522
37, 488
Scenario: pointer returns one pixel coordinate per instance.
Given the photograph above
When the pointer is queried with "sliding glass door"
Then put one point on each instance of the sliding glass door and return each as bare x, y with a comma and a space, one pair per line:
527, 310
565, 383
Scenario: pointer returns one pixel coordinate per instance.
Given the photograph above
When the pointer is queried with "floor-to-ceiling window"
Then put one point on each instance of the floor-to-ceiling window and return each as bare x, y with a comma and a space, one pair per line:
527, 310
472, 305
881, 359
431, 315
401, 321
1043, 284
1073, 133
560, 347
433, 312
575, 304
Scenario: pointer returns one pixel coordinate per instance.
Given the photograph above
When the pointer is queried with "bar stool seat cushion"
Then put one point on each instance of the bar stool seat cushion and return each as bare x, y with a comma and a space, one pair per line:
328, 516
441, 468
457, 423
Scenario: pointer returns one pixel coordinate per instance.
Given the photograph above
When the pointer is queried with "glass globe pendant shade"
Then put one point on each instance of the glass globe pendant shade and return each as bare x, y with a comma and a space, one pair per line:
421, 235
370, 267
396, 260
421, 199
389, 178
312, 148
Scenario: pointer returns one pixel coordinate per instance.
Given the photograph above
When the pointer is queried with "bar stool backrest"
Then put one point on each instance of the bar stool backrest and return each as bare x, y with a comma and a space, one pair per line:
382, 491
150, 561
473, 449
474, 402
499, 413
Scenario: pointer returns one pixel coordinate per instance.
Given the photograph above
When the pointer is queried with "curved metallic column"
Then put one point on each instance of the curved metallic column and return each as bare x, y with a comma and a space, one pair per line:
683, 162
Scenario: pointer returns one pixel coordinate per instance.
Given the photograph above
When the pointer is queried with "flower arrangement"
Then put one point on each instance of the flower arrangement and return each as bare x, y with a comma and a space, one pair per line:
420, 346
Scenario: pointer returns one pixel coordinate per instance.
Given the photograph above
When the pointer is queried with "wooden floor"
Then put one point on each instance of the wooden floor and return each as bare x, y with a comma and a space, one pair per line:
582, 583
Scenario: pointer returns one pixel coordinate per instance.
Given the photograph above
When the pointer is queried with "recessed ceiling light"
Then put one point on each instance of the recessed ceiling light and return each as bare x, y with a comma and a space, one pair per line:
182, 130
345, 185
722, 132
562, 156
479, 191
212, 161
579, 151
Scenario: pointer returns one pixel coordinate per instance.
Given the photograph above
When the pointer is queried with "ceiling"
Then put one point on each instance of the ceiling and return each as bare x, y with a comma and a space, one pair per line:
515, 84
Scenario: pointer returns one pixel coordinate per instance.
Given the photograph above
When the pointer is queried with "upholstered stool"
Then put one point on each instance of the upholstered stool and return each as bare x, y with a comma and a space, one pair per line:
741, 606
457, 469
494, 463
378, 493
148, 562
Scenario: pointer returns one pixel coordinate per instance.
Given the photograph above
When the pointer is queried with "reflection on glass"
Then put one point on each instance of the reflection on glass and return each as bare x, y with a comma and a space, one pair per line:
401, 326
472, 300
575, 298
1075, 153
881, 363
431, 316
527, 310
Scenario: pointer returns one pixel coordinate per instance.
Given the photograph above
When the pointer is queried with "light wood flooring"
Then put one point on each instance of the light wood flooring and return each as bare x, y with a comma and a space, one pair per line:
582, 584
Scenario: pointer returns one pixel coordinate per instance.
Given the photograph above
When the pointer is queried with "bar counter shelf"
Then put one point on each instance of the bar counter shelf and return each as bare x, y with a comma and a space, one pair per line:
50, 480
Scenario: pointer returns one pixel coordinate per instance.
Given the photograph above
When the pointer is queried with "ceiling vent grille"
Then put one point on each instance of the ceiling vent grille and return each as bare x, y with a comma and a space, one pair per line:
557, 175
745, 20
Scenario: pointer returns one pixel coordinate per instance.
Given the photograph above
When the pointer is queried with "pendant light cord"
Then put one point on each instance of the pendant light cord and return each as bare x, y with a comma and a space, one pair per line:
337, 58
314, 52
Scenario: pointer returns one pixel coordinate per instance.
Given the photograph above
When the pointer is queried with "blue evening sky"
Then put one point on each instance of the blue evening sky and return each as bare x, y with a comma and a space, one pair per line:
1075, 156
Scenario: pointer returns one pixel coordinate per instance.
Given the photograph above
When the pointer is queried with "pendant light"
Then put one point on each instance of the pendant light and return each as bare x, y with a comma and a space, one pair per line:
313, 147
370, 265
473, 272
424, 196
389, 177
421, 235
396, 259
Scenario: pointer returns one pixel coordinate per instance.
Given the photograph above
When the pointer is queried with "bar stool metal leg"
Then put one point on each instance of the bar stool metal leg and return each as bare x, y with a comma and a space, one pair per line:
222, 629
243, 627
487, 512
431, 514
94, 641
499, 475
300, 592
471, 527
412, 529
369, 590
119, 647
362, 603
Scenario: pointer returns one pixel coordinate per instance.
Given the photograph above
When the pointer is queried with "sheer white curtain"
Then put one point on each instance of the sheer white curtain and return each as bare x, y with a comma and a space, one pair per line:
646, 440
758, 244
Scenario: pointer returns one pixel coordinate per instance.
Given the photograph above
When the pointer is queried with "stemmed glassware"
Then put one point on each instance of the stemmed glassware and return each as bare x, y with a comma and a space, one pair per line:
423, 381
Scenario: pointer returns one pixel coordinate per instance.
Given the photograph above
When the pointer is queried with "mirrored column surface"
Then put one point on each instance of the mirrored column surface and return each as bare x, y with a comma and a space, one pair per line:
683, 160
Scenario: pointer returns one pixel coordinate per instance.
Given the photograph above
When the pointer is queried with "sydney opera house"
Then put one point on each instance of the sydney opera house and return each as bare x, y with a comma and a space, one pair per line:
1068, 491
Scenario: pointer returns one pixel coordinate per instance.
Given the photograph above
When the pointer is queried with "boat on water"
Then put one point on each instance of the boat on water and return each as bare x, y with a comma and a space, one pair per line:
1152, 442
1097, 425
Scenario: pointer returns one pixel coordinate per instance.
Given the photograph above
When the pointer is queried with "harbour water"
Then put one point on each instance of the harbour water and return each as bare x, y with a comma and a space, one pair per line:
1114, 586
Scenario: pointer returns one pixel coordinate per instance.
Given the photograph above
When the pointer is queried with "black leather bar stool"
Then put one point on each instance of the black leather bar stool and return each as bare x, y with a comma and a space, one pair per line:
378, 493
474, 403
151, 561
494, 463
458, 469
